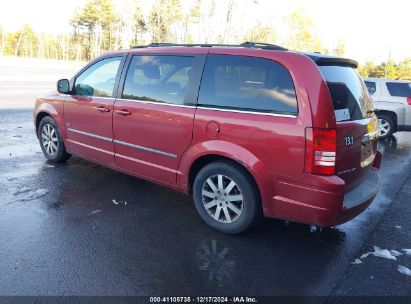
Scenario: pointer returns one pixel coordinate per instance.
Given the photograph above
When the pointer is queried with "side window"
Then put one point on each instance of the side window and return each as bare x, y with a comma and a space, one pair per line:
98, 80
247, 83
181, 76
371, 87
399, 89
162, 78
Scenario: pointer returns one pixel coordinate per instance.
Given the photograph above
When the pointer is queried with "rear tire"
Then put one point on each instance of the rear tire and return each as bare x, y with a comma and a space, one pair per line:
226, 197
51, 142
386, 125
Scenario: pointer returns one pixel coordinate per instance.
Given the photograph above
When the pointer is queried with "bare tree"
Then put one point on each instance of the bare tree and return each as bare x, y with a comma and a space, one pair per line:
210, 16
3, 36
230, 11
192, 19
164, 15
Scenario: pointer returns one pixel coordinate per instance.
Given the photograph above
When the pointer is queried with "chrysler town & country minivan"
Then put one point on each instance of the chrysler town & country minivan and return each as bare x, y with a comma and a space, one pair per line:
249, 130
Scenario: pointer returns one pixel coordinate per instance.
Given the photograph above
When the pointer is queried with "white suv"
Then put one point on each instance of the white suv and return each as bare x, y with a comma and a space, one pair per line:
392, 104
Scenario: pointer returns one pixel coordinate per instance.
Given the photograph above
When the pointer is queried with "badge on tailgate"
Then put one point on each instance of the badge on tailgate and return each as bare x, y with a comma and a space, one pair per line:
349, 140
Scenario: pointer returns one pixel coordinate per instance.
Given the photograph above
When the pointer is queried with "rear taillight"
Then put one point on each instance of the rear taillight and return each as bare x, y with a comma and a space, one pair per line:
320, 150
409, 100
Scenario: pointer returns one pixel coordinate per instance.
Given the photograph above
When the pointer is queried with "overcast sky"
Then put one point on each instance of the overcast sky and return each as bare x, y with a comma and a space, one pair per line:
368, 28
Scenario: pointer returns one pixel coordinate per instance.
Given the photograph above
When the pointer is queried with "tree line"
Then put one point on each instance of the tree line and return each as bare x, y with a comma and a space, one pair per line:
388, 69
100, 26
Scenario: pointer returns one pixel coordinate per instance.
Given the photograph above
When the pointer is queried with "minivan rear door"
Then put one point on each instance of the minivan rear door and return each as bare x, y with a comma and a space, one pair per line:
357, 125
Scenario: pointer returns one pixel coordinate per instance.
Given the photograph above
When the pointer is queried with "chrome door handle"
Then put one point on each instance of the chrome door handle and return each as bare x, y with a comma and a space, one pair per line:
123, 112
103, 109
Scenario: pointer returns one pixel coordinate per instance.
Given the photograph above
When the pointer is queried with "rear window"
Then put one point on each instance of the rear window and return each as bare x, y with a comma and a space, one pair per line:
399, 89
349, 94
247, 84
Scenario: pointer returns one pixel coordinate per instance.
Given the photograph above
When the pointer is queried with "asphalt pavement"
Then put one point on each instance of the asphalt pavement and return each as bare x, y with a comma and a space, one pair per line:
79, 229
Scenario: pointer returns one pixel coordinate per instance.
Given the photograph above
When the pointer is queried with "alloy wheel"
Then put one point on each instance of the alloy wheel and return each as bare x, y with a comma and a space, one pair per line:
49, 139
222, 198
383, 126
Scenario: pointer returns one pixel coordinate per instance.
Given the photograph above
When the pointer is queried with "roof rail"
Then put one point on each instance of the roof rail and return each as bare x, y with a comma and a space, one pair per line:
166, 44
259, 45
262, 45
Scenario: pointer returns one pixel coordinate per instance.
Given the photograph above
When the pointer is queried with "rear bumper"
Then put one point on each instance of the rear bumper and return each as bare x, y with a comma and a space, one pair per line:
364, 191
358, 199
328, 206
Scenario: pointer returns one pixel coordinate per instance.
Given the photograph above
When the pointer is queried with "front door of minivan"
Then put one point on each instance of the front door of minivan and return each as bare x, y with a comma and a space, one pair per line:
153, 119
88, 112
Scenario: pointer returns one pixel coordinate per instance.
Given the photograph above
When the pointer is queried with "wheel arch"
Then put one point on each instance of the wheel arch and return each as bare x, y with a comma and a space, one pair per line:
205, 153
204, 160
39, 117
46, 109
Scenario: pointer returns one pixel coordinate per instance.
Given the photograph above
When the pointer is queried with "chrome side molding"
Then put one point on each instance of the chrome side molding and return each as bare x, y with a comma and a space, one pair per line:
89, 134
119, 142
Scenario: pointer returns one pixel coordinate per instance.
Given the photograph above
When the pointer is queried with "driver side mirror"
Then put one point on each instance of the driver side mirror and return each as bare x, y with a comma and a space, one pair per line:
63, 86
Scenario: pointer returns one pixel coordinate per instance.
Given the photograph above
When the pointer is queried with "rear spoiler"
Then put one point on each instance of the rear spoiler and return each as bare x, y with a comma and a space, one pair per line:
321, 59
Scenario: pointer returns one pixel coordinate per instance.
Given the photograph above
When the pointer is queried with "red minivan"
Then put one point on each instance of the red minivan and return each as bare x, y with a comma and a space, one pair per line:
249, 130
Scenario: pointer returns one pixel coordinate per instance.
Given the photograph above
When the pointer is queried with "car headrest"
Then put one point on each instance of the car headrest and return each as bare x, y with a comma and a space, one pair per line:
151, 71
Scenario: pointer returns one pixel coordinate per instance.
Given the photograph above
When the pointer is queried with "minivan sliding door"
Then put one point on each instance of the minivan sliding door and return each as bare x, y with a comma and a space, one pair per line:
153, 118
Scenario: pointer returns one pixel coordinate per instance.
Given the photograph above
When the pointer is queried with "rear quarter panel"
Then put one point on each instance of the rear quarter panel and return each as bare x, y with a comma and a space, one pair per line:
269, 147
272, 148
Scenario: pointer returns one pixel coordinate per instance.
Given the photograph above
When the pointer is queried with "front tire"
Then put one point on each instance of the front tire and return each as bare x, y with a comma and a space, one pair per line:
226, 197
51, 142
